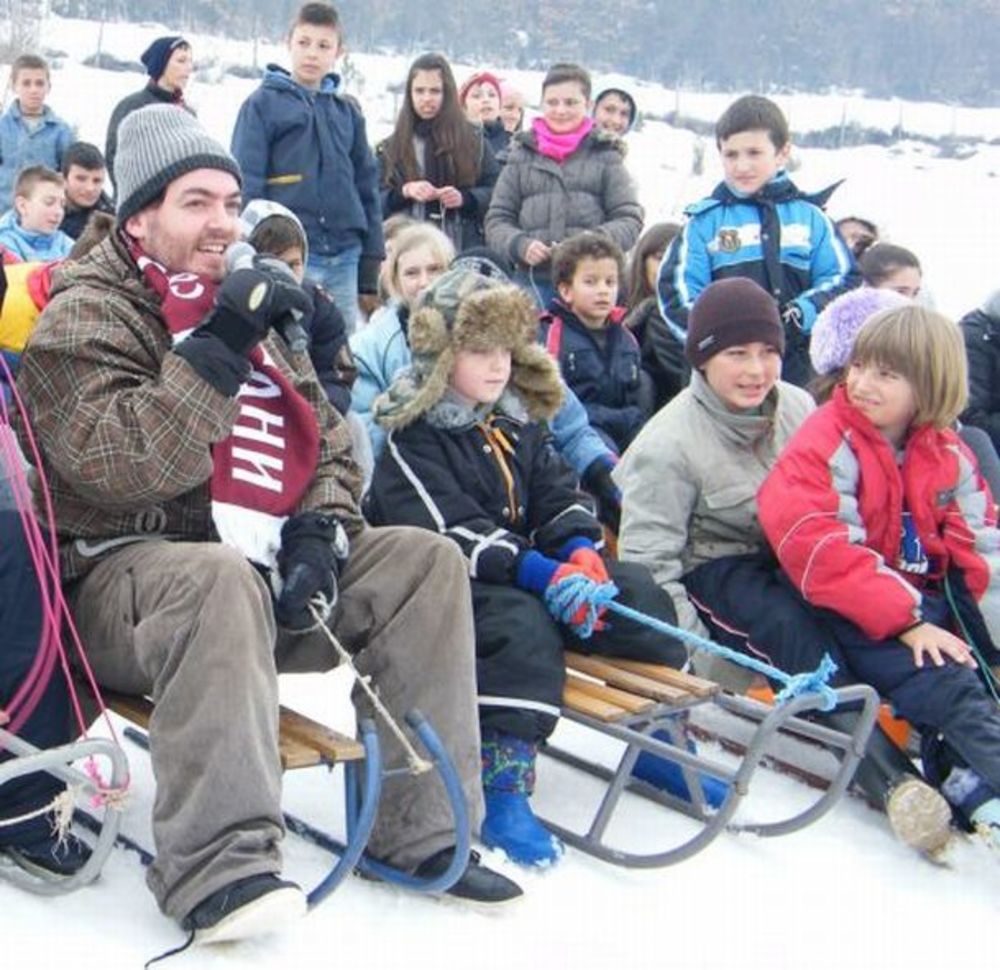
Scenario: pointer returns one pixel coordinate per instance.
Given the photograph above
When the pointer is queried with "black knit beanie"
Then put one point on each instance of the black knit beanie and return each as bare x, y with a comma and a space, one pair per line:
156, 56
728, 313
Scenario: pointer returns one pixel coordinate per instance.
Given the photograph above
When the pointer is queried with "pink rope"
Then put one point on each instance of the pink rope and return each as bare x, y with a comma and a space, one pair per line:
45, 561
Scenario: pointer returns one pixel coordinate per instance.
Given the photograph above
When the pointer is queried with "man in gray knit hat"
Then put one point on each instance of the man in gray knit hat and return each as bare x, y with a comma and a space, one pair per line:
189, 455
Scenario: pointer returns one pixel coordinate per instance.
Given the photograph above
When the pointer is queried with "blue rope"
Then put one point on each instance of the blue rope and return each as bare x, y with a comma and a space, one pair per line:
565, 598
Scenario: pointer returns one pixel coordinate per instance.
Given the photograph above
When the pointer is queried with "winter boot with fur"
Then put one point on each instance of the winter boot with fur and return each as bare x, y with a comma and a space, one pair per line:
510, 824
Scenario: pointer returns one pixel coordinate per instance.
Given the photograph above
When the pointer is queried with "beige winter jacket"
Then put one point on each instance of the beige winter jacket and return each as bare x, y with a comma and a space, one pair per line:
689, 482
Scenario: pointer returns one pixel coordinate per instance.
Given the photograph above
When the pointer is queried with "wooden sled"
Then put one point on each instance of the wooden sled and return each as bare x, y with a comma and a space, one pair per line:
630, 701
305, 743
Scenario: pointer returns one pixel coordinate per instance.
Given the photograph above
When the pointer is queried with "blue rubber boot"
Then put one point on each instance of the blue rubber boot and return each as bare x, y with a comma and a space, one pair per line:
511, 825
667, 776
508, 781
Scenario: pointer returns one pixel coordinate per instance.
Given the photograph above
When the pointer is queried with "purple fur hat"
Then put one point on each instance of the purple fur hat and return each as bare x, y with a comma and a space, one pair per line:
837, 327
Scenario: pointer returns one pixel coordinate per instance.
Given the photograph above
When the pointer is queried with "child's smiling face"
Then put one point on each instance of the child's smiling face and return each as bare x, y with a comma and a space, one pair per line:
884, 396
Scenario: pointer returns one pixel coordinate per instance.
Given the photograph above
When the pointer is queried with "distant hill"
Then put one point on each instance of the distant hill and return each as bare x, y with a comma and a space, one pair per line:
942, 50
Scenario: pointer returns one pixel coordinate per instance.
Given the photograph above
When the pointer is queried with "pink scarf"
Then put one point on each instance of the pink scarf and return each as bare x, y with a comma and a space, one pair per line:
559, 147
262, 470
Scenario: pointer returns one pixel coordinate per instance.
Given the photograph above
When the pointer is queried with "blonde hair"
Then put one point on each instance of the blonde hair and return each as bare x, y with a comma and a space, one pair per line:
928, 350
409, 239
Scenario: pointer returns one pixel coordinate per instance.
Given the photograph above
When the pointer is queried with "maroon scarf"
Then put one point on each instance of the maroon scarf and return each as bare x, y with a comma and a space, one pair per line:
262, 470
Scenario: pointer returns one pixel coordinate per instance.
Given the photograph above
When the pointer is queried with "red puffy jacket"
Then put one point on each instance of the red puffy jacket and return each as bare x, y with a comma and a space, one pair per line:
832, 509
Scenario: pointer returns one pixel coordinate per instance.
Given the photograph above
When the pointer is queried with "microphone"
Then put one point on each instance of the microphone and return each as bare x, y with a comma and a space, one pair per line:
241, 255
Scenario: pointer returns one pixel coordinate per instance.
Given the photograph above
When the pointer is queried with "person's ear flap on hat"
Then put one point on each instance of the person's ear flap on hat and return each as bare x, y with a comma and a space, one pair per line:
534, 377
428, 332
525, 313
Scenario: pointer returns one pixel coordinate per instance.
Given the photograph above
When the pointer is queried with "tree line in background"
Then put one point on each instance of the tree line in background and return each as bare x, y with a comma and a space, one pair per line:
918, 49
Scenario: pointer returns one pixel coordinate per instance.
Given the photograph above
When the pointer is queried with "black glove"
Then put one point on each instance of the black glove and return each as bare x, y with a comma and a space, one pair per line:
792, 317
248, 304
598, 481
313, 551
252, 301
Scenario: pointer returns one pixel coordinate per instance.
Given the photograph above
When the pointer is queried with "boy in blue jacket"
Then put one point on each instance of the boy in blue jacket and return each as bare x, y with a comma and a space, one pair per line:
301, 142
31, 133
584, 330
759, 224
31, 229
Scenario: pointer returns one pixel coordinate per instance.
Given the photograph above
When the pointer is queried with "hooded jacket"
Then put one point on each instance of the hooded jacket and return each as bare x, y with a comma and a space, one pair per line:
537, 198
832, 510
485, 475
780, 238
488, 478
309, 151
689, 482
126, 426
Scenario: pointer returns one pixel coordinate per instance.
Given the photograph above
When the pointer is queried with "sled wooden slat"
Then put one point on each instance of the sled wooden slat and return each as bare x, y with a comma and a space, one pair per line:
615, 676
303, 742
335, 746
632, 703
584, 703
697, 686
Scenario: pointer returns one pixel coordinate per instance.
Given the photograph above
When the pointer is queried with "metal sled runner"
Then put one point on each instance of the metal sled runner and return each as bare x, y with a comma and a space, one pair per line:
60, 763
630, 701
305, 743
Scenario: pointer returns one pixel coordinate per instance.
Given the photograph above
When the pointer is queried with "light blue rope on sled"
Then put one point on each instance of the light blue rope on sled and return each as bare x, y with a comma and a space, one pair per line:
564, 599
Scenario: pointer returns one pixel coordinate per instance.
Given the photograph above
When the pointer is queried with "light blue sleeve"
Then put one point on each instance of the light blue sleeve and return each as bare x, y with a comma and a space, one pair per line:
574, 438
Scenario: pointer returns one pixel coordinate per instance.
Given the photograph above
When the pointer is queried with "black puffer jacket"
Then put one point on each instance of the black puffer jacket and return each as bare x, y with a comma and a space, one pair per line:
493, 483
981, 329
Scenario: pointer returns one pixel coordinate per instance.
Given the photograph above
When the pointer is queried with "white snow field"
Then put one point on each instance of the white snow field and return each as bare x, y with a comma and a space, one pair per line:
837, 896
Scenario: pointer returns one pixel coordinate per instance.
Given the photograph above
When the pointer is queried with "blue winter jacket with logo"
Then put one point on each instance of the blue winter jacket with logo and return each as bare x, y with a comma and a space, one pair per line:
780, 238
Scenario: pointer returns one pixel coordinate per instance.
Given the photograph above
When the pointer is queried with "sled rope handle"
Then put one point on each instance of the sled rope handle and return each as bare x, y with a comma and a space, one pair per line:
564, 599
320, 610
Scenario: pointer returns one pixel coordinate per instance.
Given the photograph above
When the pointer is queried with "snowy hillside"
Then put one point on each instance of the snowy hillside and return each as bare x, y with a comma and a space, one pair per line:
838, 896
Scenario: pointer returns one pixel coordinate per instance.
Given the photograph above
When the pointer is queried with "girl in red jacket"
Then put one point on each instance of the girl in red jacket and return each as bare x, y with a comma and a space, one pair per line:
880, 518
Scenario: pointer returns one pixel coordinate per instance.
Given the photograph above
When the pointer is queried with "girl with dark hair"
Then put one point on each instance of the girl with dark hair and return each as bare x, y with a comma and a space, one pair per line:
662, 353
888, 267
437, 166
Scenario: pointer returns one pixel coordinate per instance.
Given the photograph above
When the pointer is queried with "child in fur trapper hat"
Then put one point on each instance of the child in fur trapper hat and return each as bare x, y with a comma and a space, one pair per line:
468, 455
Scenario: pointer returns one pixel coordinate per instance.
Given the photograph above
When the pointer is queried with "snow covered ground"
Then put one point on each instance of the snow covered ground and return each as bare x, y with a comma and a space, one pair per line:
842, 894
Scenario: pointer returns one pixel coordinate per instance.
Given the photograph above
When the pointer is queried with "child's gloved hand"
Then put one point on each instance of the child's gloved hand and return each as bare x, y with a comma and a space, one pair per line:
591, 562
579, 615
540, 574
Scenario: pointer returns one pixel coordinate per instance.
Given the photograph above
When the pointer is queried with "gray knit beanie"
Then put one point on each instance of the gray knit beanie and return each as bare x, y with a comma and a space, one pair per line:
157, 145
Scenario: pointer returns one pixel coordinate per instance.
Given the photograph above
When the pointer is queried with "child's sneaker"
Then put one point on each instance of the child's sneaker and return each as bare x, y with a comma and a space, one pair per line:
669, 777
919, 815
986, 821
511, 825
50, 855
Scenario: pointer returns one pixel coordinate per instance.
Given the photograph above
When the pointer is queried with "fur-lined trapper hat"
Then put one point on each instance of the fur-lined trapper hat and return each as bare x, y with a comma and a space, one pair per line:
463, 310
